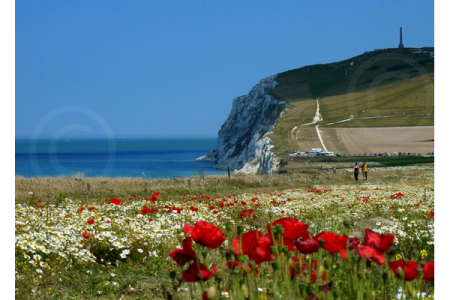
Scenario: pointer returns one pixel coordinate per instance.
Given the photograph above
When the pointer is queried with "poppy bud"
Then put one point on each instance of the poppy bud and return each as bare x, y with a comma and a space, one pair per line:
368, 264
391, 250
211, 293
384, 276
228, 226
271, 214
275, 265
173, 274
399, 273
279, 228
273, 250
373, 295
241, 258
321, 243
320, 271
204, 253
285, 249
308, 289
164, 287
244, 291
240, 230
348, 224
252, 264
327, 264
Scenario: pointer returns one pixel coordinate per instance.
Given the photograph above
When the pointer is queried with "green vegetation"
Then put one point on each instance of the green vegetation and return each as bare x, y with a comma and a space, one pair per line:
126, 252
389, 82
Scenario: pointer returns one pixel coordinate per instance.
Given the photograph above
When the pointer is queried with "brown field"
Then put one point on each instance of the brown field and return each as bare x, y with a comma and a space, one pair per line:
418, 139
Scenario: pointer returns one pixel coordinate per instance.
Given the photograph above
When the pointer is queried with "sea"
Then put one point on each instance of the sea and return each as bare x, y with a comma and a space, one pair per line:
147, 158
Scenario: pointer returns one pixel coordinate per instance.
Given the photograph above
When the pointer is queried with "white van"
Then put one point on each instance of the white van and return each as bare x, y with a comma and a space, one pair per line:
316, 150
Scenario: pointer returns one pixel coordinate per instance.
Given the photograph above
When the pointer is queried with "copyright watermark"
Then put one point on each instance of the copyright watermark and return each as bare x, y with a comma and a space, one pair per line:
69, 113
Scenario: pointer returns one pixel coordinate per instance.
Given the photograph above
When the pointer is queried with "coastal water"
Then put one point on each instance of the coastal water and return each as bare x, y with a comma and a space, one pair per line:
149, 158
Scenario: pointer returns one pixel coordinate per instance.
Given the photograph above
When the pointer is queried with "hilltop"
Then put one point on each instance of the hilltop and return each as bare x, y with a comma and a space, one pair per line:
381, 88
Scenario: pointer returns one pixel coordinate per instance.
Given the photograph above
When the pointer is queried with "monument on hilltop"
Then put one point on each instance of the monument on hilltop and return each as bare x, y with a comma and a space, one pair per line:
401, 40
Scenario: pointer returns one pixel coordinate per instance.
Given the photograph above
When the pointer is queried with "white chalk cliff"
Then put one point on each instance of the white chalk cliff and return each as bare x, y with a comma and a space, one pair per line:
243, 143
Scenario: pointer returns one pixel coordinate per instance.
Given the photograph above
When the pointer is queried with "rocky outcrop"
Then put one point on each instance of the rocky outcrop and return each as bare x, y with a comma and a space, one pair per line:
243, 143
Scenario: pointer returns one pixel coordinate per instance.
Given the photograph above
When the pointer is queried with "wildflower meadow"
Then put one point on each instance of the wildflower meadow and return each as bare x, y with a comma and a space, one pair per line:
316, 242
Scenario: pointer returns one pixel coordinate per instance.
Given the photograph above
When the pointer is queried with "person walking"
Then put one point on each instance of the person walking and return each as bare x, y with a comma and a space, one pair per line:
356, 171
365, 169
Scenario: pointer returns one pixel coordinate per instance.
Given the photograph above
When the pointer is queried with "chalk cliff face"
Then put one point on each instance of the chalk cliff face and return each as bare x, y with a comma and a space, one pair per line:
243, 142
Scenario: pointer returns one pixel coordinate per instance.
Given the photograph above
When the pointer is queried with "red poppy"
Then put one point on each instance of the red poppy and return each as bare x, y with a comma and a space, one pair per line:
334, 243
156, 194
135, 196
410, 271
307, 246
91, 208
85, 235
249, 240
293, 228
261, 252
431, 214
380, 242
428, 271
353, 243
256, 245
90, 222
38, 202
194, 273
182, 256
115, 201
376, 244
205, 234
370, 253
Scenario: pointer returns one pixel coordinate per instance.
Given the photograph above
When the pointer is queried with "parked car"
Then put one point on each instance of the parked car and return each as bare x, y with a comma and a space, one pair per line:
338, 155
345, 155
429, 154
409, 153
355, 155
365, 154
380, 154
404, 153
414, 154
371, 154
400, 154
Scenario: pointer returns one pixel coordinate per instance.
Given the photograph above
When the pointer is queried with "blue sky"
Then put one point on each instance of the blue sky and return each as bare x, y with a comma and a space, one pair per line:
172, 68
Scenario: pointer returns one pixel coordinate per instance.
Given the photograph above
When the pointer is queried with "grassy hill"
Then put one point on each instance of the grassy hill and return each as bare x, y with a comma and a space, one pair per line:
382, 88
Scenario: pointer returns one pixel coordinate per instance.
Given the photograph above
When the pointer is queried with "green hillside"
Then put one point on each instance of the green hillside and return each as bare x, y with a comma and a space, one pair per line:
389, 87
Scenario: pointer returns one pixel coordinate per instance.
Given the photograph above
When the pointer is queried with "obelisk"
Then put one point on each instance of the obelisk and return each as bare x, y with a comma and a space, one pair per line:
401, 39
